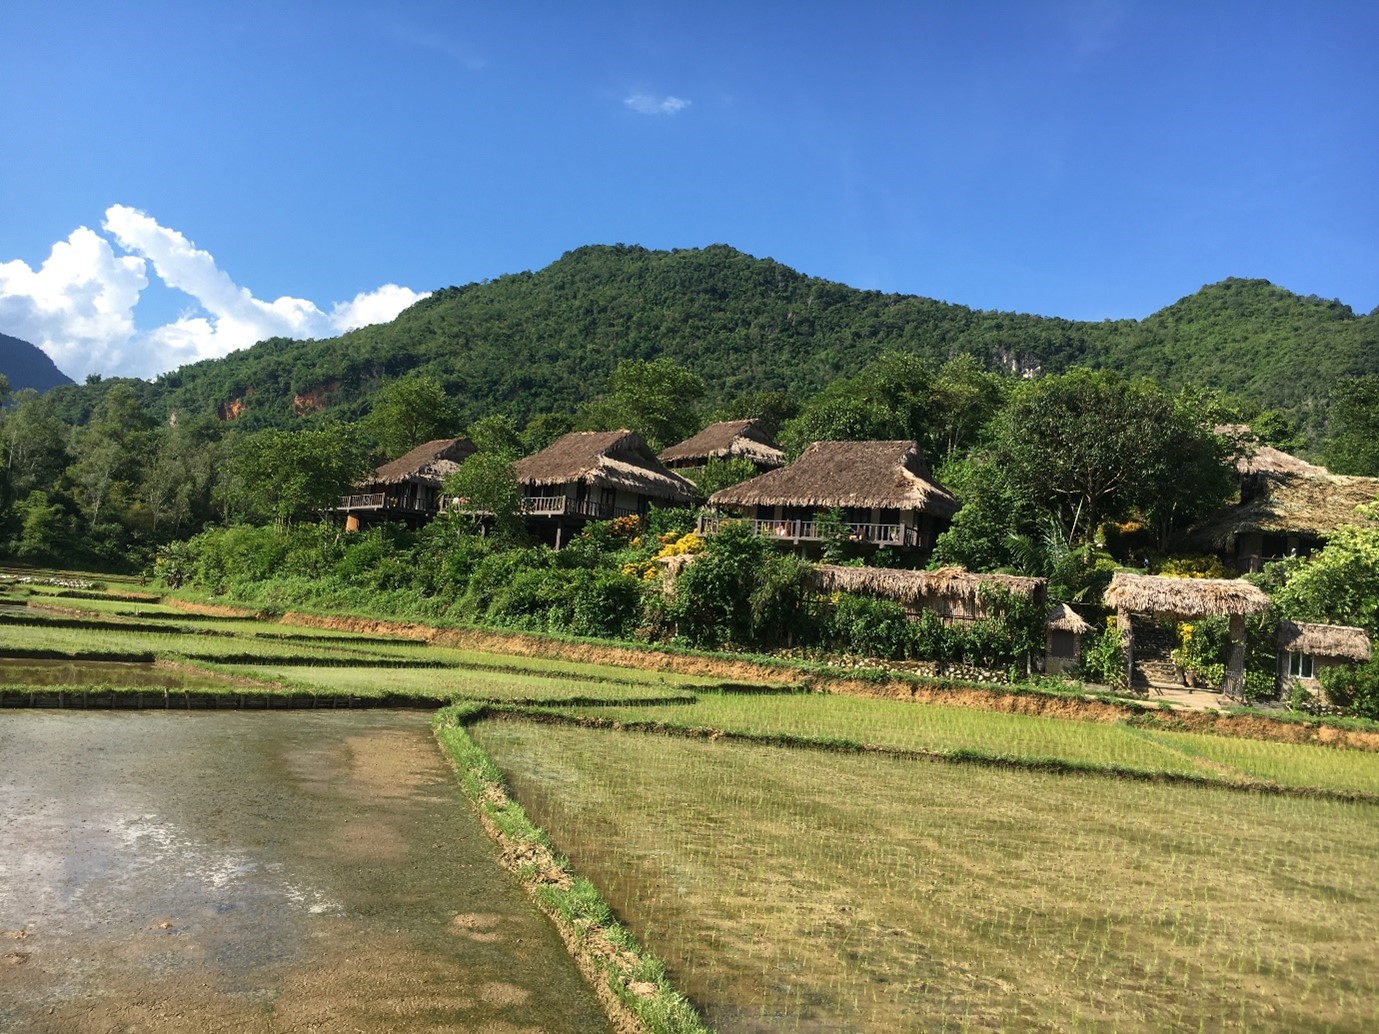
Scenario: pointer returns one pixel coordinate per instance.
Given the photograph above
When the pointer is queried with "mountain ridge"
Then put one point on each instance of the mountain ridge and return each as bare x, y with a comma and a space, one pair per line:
532, 342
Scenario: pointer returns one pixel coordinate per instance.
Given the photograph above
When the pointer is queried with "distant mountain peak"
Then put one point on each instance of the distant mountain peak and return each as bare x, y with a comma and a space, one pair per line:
28, 366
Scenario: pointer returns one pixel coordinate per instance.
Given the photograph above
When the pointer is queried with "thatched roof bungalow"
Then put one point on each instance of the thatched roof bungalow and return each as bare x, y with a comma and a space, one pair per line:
1287, 507
409, 487
1304, 649
885, 490
727, 439
596, 475
1341, 642
1287, 514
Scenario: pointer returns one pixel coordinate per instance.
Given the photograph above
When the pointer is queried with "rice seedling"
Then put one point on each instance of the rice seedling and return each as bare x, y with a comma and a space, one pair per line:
877, 893
1289, 764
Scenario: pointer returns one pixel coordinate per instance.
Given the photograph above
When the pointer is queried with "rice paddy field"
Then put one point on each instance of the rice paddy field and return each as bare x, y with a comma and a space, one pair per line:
810, 862
797, 890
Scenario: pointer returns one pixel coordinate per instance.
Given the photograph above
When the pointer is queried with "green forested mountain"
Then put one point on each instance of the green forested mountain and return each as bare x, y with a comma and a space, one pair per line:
528, 343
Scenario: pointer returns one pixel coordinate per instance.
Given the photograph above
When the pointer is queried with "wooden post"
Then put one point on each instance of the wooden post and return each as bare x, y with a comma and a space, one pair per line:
1127, 633
1235, 669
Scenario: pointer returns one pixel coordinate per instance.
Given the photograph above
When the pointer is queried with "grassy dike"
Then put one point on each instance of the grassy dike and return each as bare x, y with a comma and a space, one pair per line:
631, 983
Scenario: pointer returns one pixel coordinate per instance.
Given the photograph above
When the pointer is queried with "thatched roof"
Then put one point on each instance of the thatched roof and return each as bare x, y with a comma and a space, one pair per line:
1297, 504
727, 439
889, 475
606, 459
1324, 640
914, 586
1063, 618
1183, 597
430, 463
1256, 458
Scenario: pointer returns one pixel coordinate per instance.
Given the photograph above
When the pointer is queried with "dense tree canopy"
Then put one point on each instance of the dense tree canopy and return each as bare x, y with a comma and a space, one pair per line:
658, 399
408, 412
1091, 446
1354, 445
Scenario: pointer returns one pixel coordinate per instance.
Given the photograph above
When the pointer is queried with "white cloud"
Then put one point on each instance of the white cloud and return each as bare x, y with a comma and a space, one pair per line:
372, 307
79, 305
646, 104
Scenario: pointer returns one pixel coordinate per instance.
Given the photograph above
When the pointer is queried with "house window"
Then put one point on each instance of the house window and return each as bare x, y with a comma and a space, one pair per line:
1300, 665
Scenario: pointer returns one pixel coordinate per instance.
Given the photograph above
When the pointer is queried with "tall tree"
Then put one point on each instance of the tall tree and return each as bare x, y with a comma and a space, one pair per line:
657, 399
408, 412
1090, 446
287, 475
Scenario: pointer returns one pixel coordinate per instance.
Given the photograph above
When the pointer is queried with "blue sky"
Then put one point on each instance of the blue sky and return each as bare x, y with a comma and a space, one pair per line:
213, 173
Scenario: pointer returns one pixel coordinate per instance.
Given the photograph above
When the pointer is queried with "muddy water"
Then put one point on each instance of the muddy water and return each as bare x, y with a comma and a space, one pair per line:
198, 872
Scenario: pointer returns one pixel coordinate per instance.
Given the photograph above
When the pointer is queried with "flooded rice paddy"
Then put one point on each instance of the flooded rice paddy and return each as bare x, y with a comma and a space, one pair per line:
197, 872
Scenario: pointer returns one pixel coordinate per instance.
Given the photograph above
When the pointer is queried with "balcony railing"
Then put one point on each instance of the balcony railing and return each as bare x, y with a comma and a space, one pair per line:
564, 506
363, 501
383, 501
808, 530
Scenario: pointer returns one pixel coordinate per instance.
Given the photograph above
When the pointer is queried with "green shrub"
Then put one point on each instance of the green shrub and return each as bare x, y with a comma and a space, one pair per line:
870, 627
1353, 686
605, 604
1103, 656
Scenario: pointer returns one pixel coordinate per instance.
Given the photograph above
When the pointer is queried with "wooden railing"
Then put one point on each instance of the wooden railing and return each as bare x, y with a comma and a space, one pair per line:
808, 531
364, 501
564, 506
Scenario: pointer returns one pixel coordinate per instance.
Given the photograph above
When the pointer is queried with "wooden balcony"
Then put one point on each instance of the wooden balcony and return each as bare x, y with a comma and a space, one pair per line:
564, 506
382, 501
362, 501
808, 531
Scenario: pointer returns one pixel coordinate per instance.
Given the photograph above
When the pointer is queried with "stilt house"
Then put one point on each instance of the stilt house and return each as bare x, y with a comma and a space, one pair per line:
1286, 507
885, 490
728, 439
408, 488
595, 475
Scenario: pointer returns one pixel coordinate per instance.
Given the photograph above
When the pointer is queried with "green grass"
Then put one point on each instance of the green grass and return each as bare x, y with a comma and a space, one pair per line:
576, 904
787, 887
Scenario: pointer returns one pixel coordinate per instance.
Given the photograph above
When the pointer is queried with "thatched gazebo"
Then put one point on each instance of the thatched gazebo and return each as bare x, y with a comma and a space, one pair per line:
950, 592
595, 475
1186, 599
885, 490
409, 487
1063, 632
727, 439
1305, 648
